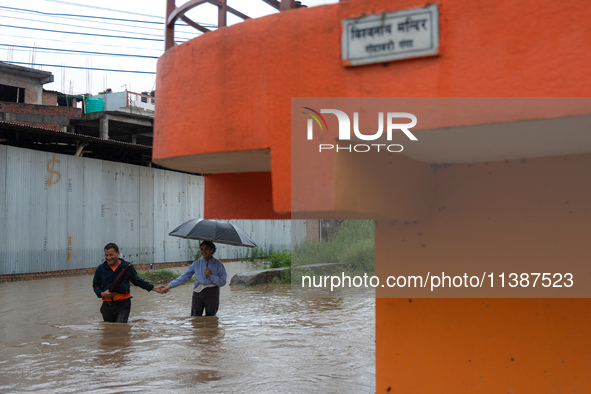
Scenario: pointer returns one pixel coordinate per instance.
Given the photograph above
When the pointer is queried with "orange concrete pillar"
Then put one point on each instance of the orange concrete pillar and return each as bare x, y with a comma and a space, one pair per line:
224, 107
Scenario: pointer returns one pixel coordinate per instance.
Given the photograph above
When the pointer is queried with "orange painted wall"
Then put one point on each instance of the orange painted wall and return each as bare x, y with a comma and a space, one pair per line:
233, 196
482, 345
232, 89
502, 217
239, 81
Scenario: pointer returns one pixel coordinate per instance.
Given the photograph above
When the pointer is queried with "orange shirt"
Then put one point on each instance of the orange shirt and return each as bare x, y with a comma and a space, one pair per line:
118, 296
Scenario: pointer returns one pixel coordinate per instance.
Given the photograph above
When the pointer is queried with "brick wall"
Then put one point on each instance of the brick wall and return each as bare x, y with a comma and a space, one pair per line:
49, 98
46, 110
40, 109
32, 94
312, 230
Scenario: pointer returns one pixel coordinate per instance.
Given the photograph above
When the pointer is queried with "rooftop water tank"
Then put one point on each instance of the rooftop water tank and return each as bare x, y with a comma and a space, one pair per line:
94, 104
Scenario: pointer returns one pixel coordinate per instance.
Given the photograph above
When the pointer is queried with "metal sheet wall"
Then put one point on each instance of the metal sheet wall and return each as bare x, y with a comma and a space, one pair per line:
3, 210
57, 212
146, 221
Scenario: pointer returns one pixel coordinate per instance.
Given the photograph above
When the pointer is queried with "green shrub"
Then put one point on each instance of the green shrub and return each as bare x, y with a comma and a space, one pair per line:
312, 252
352, 231
284, 280
295, 274
280, 259
158, 277
257, 253
353, 243
161, 277
359, 257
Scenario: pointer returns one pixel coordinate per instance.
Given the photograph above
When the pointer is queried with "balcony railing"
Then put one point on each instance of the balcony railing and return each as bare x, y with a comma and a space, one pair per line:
174, 13
139, 100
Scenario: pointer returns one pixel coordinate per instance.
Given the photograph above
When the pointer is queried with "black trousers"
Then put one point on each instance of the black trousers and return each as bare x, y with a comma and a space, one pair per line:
116, 311
208, 299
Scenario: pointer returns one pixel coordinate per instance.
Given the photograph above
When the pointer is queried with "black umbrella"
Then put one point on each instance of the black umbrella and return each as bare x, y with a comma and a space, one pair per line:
213, 230
119, 279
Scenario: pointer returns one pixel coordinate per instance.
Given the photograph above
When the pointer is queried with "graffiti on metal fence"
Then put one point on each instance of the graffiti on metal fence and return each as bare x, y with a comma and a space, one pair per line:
52, 172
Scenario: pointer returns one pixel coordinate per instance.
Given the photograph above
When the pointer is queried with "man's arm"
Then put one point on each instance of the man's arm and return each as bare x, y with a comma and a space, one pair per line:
96, 283
136, 280
182, 279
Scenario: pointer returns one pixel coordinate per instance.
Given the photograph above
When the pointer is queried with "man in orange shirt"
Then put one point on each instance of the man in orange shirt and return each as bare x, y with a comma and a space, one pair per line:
117, 302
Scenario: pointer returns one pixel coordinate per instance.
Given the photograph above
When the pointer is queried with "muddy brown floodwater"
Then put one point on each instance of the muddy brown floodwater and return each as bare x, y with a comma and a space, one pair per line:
264, 339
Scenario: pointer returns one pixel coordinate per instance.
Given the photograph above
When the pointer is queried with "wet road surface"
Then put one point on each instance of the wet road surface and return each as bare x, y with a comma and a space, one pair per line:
264, 339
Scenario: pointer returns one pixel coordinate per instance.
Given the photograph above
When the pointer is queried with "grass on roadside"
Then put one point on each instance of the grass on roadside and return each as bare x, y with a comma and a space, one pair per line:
353, 244
160, 277
276, 258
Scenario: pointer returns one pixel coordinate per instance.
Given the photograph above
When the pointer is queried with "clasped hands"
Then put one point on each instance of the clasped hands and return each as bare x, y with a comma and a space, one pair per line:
162, 289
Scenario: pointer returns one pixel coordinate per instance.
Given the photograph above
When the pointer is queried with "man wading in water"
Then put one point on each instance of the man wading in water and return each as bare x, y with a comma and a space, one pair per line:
210, 275
116, 299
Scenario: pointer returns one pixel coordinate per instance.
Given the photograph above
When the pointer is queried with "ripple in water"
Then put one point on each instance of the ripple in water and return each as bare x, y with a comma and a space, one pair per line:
264, 339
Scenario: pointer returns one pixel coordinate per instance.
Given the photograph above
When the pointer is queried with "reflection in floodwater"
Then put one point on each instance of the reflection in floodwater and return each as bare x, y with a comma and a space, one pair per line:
264, 339
114, 344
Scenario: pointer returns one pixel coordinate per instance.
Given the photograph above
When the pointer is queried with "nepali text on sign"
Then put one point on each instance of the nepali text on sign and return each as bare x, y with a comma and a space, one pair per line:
390, 36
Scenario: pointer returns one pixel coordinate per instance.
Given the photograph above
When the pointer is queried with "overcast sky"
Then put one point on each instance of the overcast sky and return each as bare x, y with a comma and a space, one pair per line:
94, 34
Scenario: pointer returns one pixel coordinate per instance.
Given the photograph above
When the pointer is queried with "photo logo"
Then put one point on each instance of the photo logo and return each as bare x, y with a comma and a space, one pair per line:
345, 130
315, 117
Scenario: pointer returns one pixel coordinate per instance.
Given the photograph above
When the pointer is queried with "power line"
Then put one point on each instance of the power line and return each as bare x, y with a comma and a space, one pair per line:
85, 27
101, 17
86, 68
84, 52
103, 8
178, 23
81, 16
84, 34
82, 42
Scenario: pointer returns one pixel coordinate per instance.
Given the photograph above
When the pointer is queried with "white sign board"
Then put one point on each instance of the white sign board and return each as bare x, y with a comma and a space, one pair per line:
390, 36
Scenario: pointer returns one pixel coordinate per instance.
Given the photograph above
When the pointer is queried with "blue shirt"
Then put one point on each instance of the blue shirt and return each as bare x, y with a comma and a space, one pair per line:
218, 273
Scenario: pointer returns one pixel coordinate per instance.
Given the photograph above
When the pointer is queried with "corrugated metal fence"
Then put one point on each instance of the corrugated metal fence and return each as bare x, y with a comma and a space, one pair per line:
57, 212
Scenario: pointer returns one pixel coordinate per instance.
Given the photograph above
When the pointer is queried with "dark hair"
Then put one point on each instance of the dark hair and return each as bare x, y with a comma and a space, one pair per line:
210, 245
111, 245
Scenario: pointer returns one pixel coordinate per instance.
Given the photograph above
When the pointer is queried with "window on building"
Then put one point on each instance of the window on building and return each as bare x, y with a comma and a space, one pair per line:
12, 94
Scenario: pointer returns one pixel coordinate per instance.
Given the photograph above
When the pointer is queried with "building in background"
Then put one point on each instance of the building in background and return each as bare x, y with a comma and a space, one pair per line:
33, 118
25, 85
76, 174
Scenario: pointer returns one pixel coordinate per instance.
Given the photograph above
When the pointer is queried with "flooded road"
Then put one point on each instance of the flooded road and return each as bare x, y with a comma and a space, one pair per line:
264, 339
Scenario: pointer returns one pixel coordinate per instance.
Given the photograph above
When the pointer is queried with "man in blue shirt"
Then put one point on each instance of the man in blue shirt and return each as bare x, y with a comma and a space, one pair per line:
210, 275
